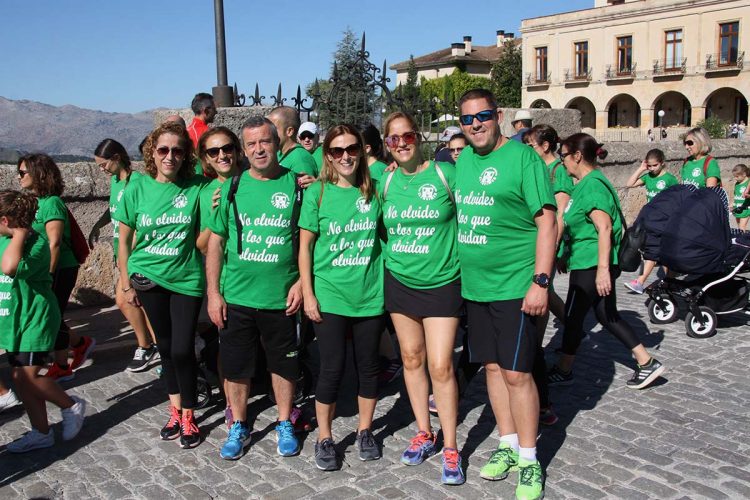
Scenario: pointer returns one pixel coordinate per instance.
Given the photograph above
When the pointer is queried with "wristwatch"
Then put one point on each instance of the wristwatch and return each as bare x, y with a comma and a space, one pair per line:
541, 279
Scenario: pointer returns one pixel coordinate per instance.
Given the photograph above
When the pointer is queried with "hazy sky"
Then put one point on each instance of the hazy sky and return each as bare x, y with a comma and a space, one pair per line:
133, 55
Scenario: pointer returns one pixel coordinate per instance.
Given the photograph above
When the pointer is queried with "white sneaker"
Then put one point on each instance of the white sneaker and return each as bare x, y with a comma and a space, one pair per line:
8, 400
32, 440
73, 418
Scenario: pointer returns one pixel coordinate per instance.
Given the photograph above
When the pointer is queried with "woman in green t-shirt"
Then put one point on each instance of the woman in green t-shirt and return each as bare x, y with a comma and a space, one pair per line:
423, 286
374, 151
29, 321
163, 211
593, 229
341, 271
39, 174
699, 169
741, 208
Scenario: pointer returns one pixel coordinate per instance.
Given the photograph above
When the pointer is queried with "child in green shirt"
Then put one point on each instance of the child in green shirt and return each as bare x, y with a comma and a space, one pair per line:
741, 207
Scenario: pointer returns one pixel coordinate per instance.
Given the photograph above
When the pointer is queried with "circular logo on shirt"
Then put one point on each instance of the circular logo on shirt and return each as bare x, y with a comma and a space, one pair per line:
567, 207
280, 200
119, 195
661, 185
488, 176
427, 192
362, 205
180, 201
696, 172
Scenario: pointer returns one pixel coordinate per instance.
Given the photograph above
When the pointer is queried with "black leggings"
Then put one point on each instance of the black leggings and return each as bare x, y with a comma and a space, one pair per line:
582, 295
174, 317
63, 282
331, 335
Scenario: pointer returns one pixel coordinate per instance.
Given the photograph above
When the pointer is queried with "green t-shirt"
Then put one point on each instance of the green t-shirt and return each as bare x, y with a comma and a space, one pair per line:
318, 157
116, 192
581, 239
166, 218
348, 266
53, 208
262, 274
740, 201
29, 316
377, 169
207, 196
497, 197
299, 161
198, 167
420, 220
561, 181
692, 172
657, 184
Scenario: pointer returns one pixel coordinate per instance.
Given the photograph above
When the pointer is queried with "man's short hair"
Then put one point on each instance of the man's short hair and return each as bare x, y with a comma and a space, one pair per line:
460, 135
289, 117
258, 121
201, 101
472, 94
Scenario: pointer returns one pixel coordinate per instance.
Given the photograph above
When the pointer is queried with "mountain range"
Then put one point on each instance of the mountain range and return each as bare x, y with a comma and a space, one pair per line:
66, 131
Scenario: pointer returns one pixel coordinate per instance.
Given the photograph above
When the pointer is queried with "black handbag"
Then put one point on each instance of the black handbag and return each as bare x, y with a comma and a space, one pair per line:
141, 283
629, 257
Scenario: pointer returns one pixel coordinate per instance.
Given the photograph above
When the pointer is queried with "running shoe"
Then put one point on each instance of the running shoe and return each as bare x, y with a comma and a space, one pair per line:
421, 448
453, 473
530, 480
646, 374
8, 400
368, 447
239, 437
172, 429
635, 286
503, 460
32, 440
391, 372
558, 377
325, 455
72, 418
300, 422
82, 352
547, 416
60, 374
143, 359
190, 434
431, 405
287, 443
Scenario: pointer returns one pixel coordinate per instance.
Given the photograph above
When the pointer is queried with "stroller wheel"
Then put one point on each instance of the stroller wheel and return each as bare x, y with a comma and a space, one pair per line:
664, 313
701, 331
203, 393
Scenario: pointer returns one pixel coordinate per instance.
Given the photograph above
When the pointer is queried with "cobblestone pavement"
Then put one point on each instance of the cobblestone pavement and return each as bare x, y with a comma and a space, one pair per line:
686, 437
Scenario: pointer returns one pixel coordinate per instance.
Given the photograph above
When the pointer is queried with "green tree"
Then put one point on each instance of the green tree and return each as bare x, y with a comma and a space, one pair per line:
715, 126
409, 92
505, 77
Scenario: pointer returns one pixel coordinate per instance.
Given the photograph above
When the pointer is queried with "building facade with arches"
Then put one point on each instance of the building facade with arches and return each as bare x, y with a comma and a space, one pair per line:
623, 61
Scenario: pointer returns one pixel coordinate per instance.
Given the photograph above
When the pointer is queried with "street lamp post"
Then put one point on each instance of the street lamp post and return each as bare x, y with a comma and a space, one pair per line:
223, 93
661, 124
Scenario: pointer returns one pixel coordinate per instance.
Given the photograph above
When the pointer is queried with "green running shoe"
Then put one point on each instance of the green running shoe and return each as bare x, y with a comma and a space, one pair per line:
503, 460
530, 480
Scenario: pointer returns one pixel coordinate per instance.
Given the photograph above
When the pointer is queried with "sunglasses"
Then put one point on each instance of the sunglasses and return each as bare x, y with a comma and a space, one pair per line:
455, 150
227, 149
352, 150
563, 155
393, 140
688, 143
306, 136
177, 152
482, 116
22, 173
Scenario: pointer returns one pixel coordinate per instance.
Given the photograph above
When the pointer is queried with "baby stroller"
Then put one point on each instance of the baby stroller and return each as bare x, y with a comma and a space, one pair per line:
687, 230
209, 388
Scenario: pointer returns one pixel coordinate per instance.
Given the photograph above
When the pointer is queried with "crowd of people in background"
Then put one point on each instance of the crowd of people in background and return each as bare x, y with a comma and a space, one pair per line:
286, 237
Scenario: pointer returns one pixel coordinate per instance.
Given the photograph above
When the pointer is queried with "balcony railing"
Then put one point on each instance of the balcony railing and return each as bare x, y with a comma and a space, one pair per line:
577, 75
670, 67
535, 79
615, 73
724, 61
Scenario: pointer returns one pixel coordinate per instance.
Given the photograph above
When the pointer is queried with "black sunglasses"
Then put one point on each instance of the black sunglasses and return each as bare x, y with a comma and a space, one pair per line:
163, 151
227, 149
688, 143
352, 150
482, 116
563, 155
306, 135
22, 173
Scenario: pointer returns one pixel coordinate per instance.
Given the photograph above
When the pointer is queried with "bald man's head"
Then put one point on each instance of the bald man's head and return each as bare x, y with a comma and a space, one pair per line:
286, 120
175, 118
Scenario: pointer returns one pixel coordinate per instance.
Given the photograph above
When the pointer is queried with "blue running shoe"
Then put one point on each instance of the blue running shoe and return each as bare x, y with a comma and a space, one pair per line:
421, 448
287, 443
239, 437
453, 473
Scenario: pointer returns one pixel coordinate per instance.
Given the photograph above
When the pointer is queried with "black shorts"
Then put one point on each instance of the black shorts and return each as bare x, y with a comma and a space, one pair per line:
441, 302
244, 328
19, 359
499, 332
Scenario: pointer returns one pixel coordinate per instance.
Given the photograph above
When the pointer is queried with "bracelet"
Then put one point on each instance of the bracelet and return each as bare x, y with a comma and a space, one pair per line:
126, 289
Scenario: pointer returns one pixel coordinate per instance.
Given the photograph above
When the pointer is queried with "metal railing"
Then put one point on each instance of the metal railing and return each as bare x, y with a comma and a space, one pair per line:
669, 66
724, 61
577, 75
615, 73
535, 79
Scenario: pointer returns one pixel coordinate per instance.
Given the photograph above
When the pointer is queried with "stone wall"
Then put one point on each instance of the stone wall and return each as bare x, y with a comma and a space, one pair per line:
87, 194
232, 118
566, 121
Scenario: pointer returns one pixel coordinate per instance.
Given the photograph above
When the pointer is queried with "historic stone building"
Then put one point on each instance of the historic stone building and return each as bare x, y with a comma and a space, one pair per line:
623, 61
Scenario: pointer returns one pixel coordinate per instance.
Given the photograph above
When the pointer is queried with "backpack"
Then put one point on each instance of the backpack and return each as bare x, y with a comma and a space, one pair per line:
633, 238
78, 242
440, 174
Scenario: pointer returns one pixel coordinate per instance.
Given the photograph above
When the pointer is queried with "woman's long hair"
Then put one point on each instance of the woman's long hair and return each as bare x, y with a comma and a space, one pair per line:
329, 174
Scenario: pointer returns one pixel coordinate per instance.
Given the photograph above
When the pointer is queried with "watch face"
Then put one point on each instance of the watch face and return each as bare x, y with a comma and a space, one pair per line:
541, 280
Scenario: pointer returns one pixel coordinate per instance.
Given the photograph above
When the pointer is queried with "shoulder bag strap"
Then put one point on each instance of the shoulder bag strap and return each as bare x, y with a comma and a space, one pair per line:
388, 182
617, 205
445, 182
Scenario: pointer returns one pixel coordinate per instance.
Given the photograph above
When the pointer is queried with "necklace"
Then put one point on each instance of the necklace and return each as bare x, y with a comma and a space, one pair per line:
412, 177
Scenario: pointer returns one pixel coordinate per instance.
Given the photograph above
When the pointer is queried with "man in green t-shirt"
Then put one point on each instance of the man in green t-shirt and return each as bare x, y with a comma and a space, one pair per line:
253, 283
506, 247
290, 154
309, 138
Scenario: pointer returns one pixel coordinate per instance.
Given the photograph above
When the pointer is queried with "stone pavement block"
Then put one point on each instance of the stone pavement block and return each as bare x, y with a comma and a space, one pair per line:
740, 460
650, 456
698, 471
613, 472
298, 490
653, 488
113, 490
192, 492
741, 474
620, 491
580, 490
659, 473
391, 492
704, 490
741, 488
136, 476
174, 475
586, 473
157, 492
340, 493
39, 489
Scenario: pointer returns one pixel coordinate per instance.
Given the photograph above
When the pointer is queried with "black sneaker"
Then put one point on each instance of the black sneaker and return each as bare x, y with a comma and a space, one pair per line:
646, 374
142, 359
368, 448
172, 429
558, 377
325, 455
